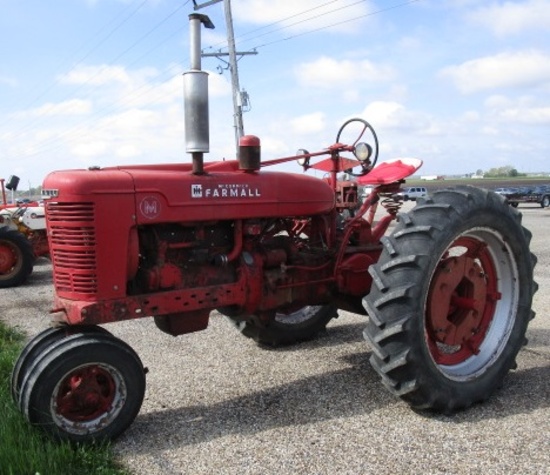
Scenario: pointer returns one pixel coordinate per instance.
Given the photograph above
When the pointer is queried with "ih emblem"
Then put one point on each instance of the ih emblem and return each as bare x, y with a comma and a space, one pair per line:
196, 191
150, 207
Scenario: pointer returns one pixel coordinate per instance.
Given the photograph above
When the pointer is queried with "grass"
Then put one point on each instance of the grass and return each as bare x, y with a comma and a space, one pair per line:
24, 450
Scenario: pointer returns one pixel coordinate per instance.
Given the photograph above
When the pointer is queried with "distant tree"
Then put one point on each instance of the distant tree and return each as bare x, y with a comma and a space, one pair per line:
499, 171
507, 171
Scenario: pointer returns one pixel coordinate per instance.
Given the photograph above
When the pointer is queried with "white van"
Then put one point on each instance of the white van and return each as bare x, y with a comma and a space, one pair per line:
413, 192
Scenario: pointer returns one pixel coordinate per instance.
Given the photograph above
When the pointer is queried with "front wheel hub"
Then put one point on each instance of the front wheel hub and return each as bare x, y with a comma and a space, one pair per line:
86, 394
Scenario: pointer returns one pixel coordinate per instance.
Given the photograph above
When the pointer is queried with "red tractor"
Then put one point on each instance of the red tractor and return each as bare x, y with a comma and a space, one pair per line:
447, 293
23, 237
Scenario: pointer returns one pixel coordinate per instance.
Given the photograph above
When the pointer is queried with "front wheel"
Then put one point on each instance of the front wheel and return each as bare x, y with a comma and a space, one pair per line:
545, 202
285, 329
85, 387
451, 299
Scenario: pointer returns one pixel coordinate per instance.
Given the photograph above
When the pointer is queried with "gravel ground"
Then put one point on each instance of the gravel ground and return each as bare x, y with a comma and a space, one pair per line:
217, 403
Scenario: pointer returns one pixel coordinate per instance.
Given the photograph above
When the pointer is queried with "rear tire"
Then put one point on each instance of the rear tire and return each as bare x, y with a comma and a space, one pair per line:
16, 258
545, 202
451, 299
283, 329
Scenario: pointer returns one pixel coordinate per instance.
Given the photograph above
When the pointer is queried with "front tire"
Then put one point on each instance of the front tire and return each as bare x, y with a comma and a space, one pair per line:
285, 329
36, 347
86, 387
451, 299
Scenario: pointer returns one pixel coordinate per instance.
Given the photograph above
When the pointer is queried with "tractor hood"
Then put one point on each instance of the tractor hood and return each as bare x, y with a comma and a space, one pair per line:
168, 193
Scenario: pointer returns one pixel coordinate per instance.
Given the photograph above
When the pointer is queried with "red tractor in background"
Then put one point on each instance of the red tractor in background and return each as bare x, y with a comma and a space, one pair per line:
23, 237
447, 293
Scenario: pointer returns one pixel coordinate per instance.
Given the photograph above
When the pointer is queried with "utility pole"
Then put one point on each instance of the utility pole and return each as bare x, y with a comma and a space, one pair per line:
237, 102
232, 64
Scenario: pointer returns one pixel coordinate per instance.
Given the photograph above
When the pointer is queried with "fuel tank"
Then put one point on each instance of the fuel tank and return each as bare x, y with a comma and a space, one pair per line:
171, 193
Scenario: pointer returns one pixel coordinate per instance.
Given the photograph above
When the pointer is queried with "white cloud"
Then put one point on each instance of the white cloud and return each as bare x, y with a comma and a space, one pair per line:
103, 74
328, 72
510, 18
393, 115
384, 114
508, 69
496, 101
273, 146
525, 110
95, 75
134, 135
531, 115
309, 123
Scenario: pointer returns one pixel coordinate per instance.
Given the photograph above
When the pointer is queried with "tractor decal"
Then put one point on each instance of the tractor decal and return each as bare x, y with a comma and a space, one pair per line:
229, 190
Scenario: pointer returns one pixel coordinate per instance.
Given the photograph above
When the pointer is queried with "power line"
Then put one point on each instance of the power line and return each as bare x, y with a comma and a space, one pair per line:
310, 19
274, 23
289, 18
297, 35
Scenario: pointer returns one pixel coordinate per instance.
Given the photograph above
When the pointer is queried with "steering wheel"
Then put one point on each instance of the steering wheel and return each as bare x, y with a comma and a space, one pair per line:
369, 164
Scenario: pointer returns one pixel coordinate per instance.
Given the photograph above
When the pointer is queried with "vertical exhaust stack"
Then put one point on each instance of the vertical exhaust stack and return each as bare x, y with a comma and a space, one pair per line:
195, 97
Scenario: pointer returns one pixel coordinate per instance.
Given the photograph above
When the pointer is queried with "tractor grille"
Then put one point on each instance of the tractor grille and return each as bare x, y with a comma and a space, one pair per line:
72, 237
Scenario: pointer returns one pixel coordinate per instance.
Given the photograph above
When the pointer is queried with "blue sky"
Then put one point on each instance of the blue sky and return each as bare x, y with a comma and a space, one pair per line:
462, 84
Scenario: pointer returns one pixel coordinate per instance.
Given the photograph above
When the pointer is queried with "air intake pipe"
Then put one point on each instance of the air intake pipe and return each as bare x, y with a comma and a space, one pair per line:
195, 97
249, 153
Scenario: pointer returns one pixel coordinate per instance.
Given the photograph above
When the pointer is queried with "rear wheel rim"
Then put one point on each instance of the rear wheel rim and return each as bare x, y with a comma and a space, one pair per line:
472, 302
10, 258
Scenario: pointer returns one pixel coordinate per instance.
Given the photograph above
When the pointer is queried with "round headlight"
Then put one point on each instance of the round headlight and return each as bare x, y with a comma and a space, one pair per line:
302, 160
362, 151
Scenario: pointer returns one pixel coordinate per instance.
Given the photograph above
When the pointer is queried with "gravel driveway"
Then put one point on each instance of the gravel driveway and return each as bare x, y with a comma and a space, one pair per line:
218, 404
